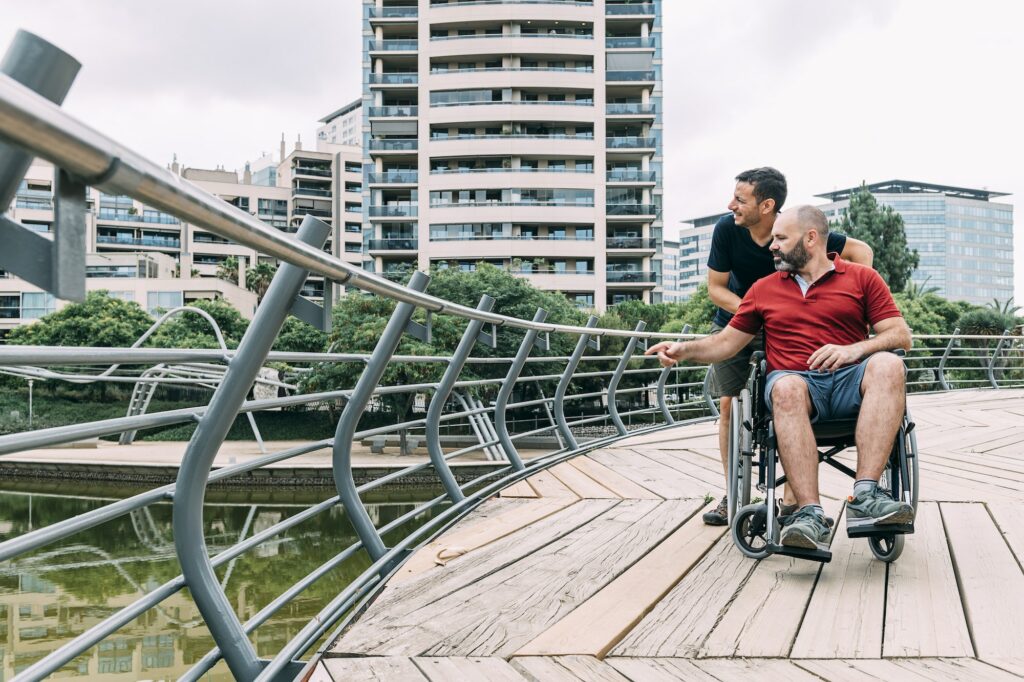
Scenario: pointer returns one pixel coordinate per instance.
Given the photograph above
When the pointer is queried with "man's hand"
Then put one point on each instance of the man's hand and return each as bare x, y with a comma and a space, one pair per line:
668, 352
830, 357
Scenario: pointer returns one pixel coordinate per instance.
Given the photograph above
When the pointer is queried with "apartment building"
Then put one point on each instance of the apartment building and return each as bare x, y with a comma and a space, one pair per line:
694, 249
527, 135
670, 272
964, 239
344, 126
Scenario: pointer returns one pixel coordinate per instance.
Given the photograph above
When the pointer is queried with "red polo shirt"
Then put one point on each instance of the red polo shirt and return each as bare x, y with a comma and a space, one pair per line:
837, 309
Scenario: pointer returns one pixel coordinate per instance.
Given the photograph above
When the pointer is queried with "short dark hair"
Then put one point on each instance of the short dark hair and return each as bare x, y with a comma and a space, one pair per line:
768, 183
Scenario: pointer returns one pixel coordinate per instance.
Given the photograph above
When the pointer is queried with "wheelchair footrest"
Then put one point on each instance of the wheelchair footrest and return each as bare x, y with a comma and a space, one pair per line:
880, 531
819, 555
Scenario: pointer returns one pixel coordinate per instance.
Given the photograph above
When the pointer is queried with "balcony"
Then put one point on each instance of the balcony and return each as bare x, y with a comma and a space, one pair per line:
518, 102
160, 242
631, 277
631, 209
392, 111
631, 175
394, 244
629, 76
578, 136
393, 12
630, 109
394, 45
313, 171
630, 143
503, 236
156, 219
629, 42
386, 145
302, 211
394, 178
637, 9
459, 171
394, 78
495, 69
631, 243
394, 211
310, 192
469, 3
489, 204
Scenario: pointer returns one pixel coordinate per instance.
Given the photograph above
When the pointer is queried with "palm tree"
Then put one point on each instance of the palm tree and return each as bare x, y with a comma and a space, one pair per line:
228, 270
259, 277
1007, 308
913, 290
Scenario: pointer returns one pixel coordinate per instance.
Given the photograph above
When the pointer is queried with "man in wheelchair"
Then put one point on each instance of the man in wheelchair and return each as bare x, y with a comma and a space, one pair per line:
822, 366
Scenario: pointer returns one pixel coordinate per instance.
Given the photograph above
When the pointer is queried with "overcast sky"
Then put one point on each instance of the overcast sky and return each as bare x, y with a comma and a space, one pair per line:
831, 92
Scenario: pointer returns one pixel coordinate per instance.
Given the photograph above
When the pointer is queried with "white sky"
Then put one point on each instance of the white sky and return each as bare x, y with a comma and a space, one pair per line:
831, 92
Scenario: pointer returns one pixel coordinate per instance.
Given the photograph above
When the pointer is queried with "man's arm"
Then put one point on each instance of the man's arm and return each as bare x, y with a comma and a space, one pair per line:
891, 333
718, 291
716, 348
857, 251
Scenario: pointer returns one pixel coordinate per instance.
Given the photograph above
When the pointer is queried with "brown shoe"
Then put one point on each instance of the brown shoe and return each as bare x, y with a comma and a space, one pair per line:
719, 516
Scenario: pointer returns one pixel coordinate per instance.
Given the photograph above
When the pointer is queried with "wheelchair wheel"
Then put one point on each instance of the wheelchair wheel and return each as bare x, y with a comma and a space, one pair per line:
887, 548
748, 530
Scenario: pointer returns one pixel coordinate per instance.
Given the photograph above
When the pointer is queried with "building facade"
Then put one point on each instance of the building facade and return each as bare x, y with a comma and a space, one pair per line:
670, 272
694, 249
527, 135
963, 238
344, 126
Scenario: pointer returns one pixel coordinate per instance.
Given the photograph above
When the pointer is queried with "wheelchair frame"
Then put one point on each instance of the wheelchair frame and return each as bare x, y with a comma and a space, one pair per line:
752, 434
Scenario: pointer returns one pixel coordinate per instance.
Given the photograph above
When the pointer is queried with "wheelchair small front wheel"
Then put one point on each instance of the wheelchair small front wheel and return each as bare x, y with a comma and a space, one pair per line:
748, 530
887, 548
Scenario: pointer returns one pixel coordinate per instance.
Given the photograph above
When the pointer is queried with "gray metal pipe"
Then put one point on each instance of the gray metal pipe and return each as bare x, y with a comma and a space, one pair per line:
189, 537
501, 403
440, 398
662, 380
45, 69
563, 384
945, 358
995, 357
613, 384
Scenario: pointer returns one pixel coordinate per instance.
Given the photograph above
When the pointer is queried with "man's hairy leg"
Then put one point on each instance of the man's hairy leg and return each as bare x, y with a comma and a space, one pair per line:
724, 423
791, 412
881, 411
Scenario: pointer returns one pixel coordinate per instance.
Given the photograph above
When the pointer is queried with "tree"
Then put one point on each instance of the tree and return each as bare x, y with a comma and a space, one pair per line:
1006, 308
188, 330
299, 337
258, 278
99, 320
697, 311
228, 270
882, 229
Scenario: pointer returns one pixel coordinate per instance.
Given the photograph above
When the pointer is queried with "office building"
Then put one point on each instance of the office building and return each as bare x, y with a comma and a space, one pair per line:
694, 249
527, 135
964, 239
344, 126
670, 271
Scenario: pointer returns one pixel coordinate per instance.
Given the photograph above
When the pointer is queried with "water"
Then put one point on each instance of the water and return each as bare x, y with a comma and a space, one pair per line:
54, 594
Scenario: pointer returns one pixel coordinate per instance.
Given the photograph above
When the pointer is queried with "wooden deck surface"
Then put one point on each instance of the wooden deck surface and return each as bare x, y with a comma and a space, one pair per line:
601, 569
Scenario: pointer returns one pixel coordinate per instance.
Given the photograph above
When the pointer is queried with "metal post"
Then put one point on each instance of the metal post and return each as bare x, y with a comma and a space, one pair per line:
707, 395
444, 391
945, 357
995, 356
30, 404
477, 426
563, 385
190, 489
45, 69
368, 381
663, 379
488, 426
613, 384
506, 391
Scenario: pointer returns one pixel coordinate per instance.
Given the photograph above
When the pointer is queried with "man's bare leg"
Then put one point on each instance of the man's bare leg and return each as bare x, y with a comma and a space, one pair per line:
791, 412
883, 403
724, 423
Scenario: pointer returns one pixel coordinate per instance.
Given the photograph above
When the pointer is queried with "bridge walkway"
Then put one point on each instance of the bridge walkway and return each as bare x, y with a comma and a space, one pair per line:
600, 569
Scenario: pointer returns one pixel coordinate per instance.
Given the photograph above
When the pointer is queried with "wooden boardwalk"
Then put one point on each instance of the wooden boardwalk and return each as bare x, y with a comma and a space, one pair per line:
600, 569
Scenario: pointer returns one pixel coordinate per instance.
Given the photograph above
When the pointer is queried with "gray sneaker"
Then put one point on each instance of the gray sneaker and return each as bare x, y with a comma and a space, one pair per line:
806, 530
719, 516
786, 512
876, 508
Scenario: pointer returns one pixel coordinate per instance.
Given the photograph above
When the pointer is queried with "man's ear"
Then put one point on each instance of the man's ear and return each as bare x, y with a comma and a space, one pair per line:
768, 206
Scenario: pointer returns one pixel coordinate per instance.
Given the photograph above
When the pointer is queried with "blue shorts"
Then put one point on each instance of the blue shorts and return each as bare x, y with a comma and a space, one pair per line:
834, 395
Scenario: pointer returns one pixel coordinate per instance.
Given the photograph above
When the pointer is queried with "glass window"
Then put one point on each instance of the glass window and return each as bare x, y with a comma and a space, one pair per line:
10, 306
162, 300
582, 267
36, 304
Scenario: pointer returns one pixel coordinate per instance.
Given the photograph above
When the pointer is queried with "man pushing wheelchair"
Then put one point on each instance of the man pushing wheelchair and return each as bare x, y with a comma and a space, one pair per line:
822, 367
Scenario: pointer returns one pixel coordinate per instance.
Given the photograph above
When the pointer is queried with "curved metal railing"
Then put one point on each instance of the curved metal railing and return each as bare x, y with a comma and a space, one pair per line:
626, 392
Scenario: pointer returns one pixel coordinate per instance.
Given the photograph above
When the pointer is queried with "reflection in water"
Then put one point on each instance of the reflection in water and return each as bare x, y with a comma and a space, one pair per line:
58, 592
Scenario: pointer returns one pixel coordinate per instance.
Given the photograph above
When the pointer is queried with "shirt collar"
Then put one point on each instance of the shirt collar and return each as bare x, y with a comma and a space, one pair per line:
838, 265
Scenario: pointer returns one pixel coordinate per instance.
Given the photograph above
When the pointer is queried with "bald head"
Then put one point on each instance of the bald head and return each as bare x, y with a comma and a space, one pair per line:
793, 242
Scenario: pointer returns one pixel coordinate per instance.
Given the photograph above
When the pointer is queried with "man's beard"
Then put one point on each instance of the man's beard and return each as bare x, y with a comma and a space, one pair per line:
794, 261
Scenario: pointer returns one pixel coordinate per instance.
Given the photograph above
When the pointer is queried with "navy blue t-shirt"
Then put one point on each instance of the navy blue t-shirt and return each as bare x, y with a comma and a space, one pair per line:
734, 251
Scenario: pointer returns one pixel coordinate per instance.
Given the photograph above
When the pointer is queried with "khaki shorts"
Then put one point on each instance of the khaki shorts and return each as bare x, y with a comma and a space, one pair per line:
729, 377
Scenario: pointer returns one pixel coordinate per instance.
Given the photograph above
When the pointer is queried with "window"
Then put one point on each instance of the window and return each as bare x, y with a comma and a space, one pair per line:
122, 295
36, 304
353, 228
10, 306
162, 300
353, 247
585, 233
353, 167
558, 266
557, 233
582, 267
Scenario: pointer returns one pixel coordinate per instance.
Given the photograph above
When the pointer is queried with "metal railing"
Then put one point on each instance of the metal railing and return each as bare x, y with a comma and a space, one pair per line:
470, 390
630, 108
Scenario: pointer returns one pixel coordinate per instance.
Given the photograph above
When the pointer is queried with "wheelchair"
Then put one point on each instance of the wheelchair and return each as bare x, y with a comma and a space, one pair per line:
753, 449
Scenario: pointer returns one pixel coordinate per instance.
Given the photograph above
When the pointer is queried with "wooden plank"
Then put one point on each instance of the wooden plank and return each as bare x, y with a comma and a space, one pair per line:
547, 485
662, 480
863, 670
991, 580
580, 483
764, 618
384, 669
660, 670
954, 669
603, 620
923, 613
483, 531
566, 669
618, 484
689, 464
519, 489
681, 621
319, 674
396, 601
844, 616
743, 670
459, 669
1009, 519
1010, 665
